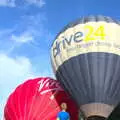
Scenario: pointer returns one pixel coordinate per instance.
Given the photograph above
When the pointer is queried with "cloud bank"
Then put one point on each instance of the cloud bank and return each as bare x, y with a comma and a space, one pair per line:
7, 3
13, 71
13, 3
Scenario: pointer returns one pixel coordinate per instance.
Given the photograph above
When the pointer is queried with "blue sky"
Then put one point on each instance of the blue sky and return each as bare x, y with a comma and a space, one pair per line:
27, 30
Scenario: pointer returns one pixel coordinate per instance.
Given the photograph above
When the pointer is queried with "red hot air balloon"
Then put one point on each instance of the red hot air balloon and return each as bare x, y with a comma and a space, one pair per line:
38, 99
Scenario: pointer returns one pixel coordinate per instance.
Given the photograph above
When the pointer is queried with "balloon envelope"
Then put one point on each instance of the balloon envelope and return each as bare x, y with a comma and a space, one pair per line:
38, 99
86, 60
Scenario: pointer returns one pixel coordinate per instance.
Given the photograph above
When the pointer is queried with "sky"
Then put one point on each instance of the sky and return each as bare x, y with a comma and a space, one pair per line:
27, 30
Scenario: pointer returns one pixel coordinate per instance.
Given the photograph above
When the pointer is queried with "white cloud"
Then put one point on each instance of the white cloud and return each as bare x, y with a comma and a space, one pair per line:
30, 29
39, 3
13, 71
8, 3
13, 3
25, 37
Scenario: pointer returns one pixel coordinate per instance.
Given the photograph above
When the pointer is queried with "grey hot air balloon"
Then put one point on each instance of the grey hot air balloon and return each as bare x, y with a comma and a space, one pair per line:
86, 60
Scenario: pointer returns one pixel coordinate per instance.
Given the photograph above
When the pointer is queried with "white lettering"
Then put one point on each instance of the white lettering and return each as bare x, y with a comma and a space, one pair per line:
50, 85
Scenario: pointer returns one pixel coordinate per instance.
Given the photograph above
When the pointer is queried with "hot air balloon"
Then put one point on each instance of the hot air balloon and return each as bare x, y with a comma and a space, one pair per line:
38, 99
85, 57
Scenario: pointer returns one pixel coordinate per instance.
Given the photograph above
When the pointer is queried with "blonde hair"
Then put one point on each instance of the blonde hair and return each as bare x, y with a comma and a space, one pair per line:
63, 106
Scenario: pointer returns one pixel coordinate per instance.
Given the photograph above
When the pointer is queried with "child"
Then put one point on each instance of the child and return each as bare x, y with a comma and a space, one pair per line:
63, 115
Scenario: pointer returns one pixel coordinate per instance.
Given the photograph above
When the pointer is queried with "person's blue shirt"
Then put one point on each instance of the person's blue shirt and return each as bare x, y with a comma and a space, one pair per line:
63, 115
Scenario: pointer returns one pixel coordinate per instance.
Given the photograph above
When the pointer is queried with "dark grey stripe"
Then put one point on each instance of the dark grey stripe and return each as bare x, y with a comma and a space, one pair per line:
92, 77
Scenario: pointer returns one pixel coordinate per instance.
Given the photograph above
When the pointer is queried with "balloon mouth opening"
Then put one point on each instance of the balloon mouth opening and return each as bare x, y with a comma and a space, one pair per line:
95, 117
97, 110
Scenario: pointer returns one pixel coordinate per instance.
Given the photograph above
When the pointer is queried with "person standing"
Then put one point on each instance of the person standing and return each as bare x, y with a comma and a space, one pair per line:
63, 115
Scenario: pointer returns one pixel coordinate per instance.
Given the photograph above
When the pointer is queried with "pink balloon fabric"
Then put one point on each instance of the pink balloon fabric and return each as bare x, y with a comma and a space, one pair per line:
38, 99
